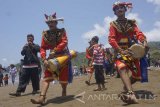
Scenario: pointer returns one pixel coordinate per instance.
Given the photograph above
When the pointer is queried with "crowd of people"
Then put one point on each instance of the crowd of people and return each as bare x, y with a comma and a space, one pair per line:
123, 33
4, 77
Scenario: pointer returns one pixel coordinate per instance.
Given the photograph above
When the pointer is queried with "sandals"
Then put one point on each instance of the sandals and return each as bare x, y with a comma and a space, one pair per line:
128, 97
40, 100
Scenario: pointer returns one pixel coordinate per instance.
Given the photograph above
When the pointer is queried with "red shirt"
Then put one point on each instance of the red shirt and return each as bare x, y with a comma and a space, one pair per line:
116, 36
60, 46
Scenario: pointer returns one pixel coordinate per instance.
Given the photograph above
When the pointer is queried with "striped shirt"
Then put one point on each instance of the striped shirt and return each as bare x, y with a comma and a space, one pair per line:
13, 71
98, 54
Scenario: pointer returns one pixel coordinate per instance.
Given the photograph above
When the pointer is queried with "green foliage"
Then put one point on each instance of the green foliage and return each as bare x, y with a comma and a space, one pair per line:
155, 54
154, 50
80, 59
154, 46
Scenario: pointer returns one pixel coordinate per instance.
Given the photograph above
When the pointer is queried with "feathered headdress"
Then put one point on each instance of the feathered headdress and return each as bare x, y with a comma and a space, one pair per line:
127, 5
52, 18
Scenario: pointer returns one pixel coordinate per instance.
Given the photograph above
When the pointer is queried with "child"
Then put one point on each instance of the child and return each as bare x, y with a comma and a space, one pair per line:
6, 79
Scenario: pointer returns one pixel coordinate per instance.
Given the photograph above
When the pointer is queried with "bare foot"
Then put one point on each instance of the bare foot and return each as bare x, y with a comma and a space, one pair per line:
64, 93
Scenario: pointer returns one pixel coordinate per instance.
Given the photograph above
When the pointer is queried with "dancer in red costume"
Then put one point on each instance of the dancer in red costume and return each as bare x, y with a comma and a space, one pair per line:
56, 41
122, 34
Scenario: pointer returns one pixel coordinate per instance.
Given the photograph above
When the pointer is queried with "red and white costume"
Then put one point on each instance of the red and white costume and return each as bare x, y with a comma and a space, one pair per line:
119, 38
55, 41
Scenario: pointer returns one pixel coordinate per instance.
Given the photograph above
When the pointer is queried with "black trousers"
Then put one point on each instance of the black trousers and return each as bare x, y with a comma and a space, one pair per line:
6, 82
26, 75
109, 69
99, 74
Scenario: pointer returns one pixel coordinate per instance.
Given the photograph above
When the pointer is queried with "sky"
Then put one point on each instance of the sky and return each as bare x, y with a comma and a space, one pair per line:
83, 19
